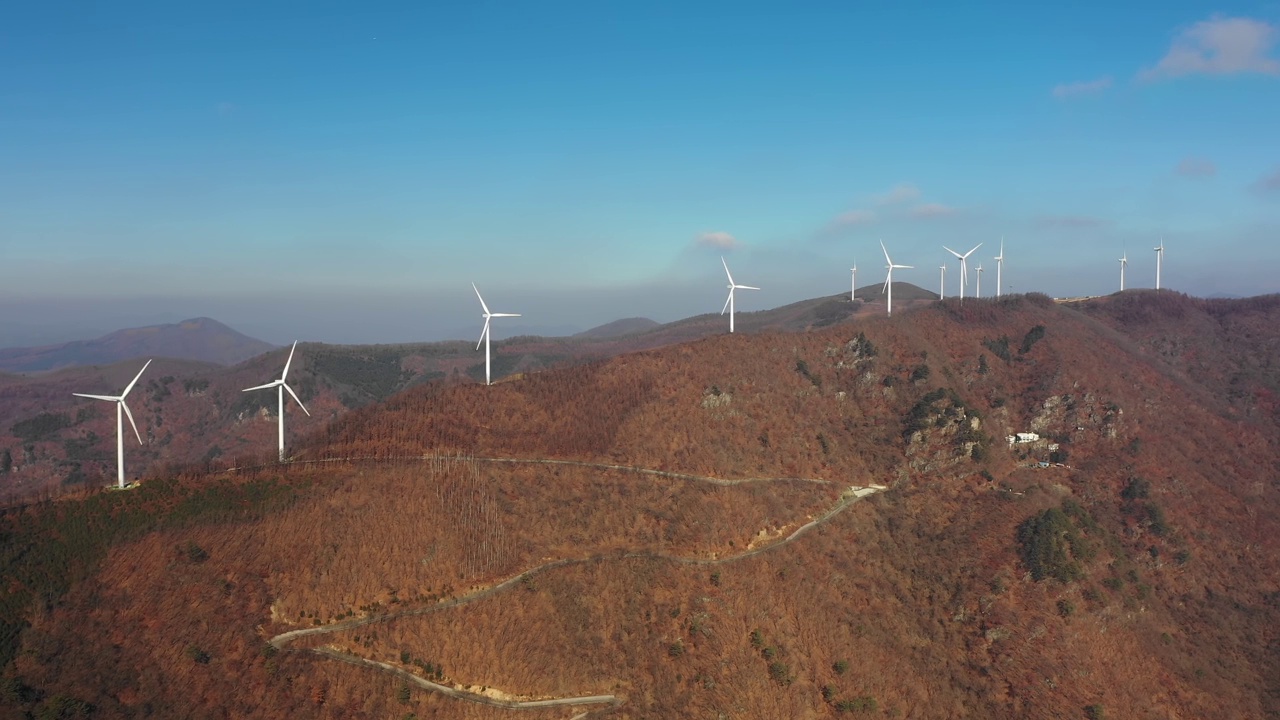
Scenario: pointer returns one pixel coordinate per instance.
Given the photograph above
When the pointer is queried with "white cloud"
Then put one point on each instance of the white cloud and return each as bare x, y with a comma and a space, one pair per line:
900, 193
933, 210
1219, 46
718, 239
1084, 87
1196, 167
854, 218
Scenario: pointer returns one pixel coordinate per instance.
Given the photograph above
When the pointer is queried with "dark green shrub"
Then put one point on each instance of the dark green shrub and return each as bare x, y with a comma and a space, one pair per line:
1032, 337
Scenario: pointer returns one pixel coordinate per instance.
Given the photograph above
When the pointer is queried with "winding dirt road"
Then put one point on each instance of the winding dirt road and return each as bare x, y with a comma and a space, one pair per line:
284, 640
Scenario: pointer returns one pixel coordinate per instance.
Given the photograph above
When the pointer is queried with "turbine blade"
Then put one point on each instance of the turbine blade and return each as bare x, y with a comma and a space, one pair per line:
975, 247
746, 287
295, 397
886, 253
135, 380
269, 385
908, 267
285, 374
504, 314
98, 397
953, 252
486, 307
726, 269
483, 332
726, 302
129, 415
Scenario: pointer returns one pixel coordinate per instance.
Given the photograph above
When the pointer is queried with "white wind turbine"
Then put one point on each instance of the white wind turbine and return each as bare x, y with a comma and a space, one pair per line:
942, 282
1159, 261
964, 267
888, 280
1124, 262
999, 267
979, 276
122, 410
728, 304
484, 334
281, 386
853, 291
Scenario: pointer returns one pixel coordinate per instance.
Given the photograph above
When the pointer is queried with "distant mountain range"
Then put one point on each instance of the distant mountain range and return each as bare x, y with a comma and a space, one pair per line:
200, 339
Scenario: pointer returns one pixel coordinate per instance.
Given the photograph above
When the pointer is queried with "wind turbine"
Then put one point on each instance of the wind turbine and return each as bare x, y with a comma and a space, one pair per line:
1124, 262
281, 386
122, 410
979, 273
484, 334
942, 282
964, 267
888, 280
1159, 260
728, 304
853, 292
999, 267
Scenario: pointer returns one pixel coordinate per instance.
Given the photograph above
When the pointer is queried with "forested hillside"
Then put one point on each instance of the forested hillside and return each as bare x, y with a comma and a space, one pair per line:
672, 533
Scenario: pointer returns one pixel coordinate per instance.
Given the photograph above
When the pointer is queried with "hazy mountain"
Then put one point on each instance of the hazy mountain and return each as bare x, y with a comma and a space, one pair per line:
199, 339
618, 328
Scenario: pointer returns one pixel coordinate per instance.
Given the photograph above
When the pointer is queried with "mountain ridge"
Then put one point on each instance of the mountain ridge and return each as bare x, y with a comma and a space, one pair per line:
203, 339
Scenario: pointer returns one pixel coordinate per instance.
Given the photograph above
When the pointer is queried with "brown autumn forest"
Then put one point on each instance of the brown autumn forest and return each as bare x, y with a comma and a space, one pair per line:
1134, 576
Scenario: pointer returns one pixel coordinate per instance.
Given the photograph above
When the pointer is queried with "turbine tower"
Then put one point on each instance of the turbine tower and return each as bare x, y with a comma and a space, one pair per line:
1124, 262
1159, 261
853, 292
728, 304
942, 282
964, 267
281, 386
1000, 267
484, 334
979, 275
888, 280
122, 410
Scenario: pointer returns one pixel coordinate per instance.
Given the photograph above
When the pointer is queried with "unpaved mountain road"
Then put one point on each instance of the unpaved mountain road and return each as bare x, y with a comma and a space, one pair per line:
285, 639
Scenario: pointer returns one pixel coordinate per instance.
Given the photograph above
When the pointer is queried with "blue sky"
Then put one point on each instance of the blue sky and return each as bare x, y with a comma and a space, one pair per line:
343, 172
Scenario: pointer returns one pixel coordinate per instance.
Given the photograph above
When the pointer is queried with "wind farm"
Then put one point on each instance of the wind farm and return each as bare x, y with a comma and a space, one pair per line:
1051, 499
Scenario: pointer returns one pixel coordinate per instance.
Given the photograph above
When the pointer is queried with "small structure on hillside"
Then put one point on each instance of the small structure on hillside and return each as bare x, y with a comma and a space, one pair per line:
1022, 437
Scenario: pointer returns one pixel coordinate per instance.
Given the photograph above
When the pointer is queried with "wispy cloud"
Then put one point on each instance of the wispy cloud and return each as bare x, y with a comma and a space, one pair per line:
718, 239
1196, 167
853, 218
1268, 184
1070, 221
1219, 46
900, 193
933, 210
1084, 87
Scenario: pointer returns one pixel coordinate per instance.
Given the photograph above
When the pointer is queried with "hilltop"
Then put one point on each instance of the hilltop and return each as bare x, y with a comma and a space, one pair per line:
199, 339
617, 530
191, 412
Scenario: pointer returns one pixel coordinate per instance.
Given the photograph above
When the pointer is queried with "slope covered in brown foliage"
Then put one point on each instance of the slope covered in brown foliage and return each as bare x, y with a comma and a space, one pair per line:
1135, 575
